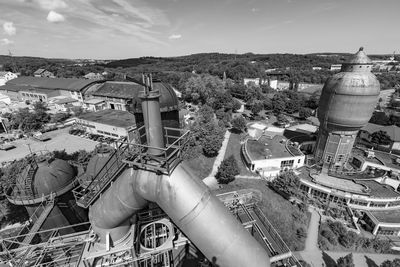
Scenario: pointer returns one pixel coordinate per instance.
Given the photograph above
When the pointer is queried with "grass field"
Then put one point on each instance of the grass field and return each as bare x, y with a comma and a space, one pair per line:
201, 165
286, 217
233, 148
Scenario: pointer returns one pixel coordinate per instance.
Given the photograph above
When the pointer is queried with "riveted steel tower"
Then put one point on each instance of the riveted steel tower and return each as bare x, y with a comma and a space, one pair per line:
346, 105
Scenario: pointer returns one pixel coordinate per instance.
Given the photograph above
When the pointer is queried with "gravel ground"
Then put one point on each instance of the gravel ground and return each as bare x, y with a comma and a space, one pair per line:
60, 139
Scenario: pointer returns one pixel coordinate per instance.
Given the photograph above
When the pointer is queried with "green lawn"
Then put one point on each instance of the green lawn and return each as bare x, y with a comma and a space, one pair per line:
233, 148
286, 217
201, 166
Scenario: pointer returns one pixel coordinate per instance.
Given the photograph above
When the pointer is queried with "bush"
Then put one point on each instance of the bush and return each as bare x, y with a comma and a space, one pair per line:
301, 232
346, 261
329, 235
227, 170
337, 228
323, 243
347, 240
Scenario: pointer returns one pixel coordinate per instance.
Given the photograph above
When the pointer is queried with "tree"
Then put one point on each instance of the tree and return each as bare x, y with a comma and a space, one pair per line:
379, 117
59, 117
305, 112
236, 105
256, 107
346, 261
227, 170
380, 138
286, 183
239, 123
278, 104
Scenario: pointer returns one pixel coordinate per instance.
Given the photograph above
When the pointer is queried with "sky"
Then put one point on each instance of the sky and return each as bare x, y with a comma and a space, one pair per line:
116, 29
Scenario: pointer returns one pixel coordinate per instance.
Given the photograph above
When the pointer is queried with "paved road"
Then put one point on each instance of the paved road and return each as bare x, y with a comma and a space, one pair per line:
60, 139
210, 181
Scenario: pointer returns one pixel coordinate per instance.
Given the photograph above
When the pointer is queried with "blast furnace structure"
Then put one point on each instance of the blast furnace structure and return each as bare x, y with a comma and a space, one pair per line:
147, 208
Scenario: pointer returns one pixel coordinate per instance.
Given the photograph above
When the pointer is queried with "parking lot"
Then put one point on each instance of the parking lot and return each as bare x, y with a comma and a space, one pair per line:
60, 140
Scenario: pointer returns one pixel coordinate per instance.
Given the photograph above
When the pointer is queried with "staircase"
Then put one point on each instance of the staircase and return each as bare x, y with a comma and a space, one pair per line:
86, 196
39, 221
28, 180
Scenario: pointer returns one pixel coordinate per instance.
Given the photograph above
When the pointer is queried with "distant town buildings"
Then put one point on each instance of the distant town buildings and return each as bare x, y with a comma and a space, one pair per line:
254, 81
335, 67
94, 76
43, 73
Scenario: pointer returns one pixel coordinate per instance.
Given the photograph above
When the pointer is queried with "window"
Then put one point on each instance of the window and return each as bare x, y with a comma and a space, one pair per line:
287, 163
328, 159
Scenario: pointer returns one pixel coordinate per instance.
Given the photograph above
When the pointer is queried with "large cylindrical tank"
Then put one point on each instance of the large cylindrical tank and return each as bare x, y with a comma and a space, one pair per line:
51, 177
350, 96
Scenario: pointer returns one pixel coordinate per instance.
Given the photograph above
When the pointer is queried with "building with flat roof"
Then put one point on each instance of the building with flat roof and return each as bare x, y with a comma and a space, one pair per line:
108, 123
382, 222
270, 156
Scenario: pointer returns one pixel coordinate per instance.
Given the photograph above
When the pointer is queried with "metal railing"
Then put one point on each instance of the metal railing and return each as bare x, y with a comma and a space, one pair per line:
28, 232
166, 160
54, 249
85, 196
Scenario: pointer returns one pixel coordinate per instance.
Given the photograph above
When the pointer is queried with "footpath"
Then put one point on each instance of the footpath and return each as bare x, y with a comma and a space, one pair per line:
210, 181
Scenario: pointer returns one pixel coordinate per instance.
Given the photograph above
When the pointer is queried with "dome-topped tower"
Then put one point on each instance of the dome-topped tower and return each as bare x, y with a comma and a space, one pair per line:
346, 105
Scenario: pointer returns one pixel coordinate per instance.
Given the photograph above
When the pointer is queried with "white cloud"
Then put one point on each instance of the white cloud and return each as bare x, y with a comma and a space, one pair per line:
175, 36
55, 17
5, 41
254, 9
9, 28
51, 4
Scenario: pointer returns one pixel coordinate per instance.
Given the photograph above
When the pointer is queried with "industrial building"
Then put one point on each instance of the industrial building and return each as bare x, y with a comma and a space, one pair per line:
125, 96
41, 89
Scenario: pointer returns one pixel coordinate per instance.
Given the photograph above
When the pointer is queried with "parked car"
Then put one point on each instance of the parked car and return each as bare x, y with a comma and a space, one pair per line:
7, 147
41, 137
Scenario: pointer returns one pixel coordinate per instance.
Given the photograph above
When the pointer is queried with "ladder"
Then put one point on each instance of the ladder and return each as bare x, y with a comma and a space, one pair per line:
114, 165
40, 220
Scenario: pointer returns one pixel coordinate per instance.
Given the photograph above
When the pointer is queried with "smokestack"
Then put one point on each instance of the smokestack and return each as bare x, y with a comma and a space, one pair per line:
152, 117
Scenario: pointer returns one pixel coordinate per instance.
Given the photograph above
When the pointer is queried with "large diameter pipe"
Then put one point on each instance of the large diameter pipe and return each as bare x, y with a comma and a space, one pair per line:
152, 121
190, 205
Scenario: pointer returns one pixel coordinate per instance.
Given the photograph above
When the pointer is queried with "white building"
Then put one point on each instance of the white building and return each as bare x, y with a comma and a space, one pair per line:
248, 81
271, 156
6, 76
335, 67
109, 123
